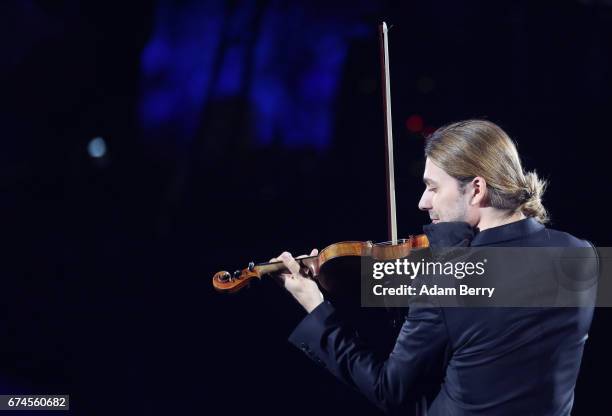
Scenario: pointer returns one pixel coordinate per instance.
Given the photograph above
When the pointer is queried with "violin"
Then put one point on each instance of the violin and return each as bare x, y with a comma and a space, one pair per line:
223, 281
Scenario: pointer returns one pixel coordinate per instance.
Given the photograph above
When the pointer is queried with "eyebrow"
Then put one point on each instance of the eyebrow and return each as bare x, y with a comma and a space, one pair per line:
429, 181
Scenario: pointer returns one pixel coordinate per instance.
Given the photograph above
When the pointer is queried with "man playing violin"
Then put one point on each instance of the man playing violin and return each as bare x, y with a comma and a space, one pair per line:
498, 361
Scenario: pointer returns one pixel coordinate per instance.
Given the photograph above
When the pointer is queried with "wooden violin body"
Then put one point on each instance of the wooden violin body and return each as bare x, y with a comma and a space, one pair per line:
223, 281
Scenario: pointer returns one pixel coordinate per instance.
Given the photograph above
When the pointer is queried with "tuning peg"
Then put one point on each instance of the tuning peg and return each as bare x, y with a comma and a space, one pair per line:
251, 266
237, 274
223, 277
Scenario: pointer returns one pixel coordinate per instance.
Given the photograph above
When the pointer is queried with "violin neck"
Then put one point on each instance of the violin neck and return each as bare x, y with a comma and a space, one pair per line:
278, 266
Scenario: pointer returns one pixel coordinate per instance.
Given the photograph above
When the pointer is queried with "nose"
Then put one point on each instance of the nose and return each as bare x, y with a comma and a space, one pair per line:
425, 202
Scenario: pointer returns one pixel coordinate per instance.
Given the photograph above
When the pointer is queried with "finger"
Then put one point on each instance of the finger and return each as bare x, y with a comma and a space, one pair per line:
276, 260
290, 263
310, 266
307, 269
314, 252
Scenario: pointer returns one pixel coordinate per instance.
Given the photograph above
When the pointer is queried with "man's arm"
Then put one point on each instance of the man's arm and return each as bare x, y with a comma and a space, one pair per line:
392, 382
389, 382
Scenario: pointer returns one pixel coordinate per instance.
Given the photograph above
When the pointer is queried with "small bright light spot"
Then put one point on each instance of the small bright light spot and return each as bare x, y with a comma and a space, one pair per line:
96, 147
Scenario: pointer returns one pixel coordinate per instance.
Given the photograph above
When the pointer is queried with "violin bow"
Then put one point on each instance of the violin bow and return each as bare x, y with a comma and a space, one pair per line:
383, 31
384, 60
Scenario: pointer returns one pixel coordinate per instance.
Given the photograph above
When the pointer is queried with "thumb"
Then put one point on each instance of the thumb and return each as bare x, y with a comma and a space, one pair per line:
311, 268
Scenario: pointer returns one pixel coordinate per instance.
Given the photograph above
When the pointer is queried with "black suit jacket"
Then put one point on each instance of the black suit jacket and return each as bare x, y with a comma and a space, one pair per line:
495, 361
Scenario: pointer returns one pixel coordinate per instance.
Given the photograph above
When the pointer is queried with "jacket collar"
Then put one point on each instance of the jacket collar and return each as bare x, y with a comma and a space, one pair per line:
507, 232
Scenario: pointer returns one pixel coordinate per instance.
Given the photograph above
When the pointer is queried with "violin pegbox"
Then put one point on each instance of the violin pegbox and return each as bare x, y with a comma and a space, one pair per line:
224, 281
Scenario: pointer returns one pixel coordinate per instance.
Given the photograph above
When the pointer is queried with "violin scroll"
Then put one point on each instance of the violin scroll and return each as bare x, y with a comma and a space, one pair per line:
224, 281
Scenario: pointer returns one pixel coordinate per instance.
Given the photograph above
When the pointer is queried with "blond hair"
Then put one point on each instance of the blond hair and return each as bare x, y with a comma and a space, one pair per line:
471, 148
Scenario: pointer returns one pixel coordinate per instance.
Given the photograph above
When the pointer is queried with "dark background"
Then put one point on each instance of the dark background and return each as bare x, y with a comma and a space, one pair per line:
235, 131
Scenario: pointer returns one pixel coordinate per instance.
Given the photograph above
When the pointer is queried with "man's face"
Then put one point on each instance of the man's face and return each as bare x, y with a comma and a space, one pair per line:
443, 198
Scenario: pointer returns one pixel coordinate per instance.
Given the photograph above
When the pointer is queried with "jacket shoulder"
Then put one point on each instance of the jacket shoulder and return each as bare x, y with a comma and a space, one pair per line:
550, 236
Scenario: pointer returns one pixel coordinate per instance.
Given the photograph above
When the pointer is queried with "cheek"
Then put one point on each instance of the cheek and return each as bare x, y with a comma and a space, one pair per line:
438, 200
442, 203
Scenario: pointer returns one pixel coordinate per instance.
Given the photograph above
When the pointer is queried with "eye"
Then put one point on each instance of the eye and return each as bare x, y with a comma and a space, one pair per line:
432, 189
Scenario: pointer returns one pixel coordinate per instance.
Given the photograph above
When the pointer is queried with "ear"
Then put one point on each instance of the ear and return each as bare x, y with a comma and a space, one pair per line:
478, 190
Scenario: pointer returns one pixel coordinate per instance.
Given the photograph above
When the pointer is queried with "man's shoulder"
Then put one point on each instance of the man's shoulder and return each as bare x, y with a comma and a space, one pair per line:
556, 238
